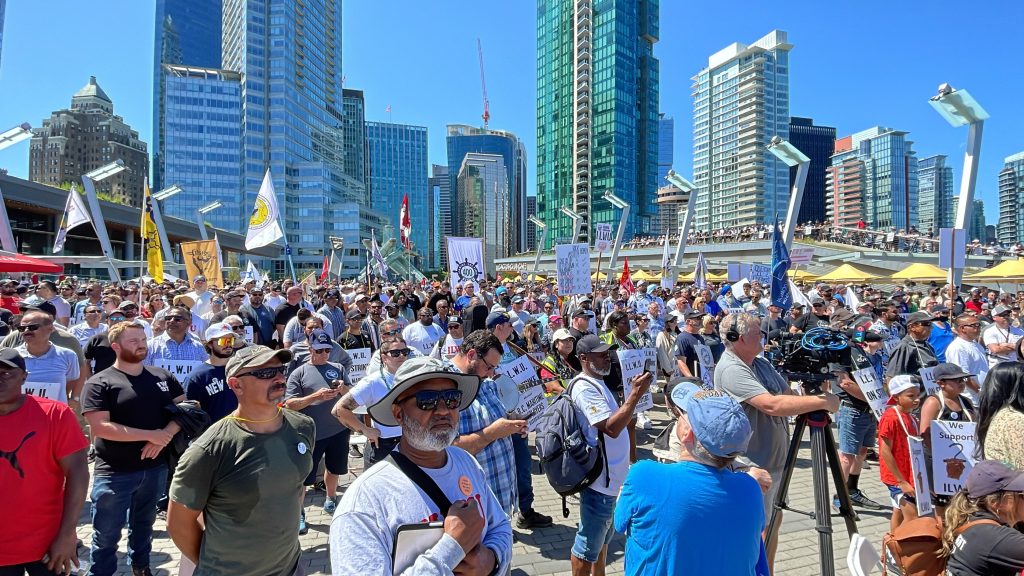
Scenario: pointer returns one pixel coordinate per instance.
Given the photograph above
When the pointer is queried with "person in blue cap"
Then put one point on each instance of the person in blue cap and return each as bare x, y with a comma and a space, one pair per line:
697, 537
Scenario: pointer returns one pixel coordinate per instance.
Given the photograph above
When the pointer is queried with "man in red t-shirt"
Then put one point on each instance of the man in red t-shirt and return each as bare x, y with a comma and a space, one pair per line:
9, 296
45, 474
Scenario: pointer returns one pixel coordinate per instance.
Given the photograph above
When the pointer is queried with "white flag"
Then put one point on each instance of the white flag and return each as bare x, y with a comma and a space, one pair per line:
75, 214
700, 273
465, 261
377, 256
220, 257
264, 226
251, 274
798, 296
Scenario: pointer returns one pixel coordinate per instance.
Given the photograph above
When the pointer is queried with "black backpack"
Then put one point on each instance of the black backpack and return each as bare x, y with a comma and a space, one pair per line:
569, 462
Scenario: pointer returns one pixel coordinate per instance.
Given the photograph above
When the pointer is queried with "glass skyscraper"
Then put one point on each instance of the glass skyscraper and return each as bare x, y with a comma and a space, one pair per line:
441, 193
398, 168
873, 175
935, 194
482, 204
741, 101
597, 113
818, 143
666, 147
1010, 229
464, 140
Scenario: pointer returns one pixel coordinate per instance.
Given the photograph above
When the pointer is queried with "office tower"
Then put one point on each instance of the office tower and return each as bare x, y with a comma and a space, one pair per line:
873, 176
818, 143
440, 187
201, 141
977, 229
481, 205
935, 202
357, 159
531, 228
666, 146
187, 32
398, 168
462, 140
597, 113
741, 101
1009, 230
87, 136
289, 53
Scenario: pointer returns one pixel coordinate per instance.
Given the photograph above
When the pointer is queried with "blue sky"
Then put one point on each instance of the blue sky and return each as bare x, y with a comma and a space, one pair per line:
853, 66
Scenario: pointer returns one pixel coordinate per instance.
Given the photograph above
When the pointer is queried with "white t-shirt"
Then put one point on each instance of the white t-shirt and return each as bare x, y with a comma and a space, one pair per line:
421, 337
972, 358
448, 349
49, 374
202, 301
996, 335
373, 389
594, 403
384, 498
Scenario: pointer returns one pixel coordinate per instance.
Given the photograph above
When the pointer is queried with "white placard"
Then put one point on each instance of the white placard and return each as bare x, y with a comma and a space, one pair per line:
927, 374
603, 235
952, 454
249, 335
180, 369
53, 390
531, 390
573, 266
919, 467
801, 255
872, 388
360, 359
632, 364
952, 247
707, 365
890, 345
760, 273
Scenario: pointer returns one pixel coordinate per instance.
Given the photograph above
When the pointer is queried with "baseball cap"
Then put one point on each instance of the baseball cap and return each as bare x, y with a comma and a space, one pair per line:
1000, 310
919, 317
42, 306
319, 340
680, 392
900, 384
718, 422
991, 476
591, 343
219, 330
252, 356
816, 301
694, 315
353, 314
334, 293
582, 312
9, 357
517, 299
561, 334
949, 371
677, 315
496, 319
125, 304
454, 320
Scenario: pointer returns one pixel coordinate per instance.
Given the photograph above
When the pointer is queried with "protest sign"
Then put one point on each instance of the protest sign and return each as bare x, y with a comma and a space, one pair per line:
707, 365
761, 273
248, 335
531, 390
180, 369
871, 385
919, 467
53, 390
801, 255
603, 235
632, 364
952, 454
360, 359
572, 262
930, 387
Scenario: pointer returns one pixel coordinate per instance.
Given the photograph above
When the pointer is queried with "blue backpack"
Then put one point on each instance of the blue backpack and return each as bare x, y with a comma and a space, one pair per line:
569, 462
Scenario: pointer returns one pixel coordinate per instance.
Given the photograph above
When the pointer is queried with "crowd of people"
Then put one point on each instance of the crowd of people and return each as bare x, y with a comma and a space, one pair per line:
224, 407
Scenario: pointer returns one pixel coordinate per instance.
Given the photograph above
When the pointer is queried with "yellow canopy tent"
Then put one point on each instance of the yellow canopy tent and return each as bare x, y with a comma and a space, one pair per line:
641, 275
1009, 270
720, 277
603, 276
847, 273
920, 273
801, 275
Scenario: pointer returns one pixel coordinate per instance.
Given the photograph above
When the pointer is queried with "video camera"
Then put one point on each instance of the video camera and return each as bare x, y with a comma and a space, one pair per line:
809, 358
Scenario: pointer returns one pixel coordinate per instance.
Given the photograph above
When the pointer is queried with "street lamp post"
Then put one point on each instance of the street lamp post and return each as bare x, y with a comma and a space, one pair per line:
791, 156
203, 212
577, 222
89, 180
15, 135
691, 207
625, 207
540, 245
158, 216
10, 138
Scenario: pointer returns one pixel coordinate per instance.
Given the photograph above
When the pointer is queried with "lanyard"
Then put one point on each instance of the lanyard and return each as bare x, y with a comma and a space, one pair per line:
899, 416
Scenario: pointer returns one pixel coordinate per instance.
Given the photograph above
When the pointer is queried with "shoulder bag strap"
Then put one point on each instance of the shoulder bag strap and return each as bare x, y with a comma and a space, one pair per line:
421, 479
963, 527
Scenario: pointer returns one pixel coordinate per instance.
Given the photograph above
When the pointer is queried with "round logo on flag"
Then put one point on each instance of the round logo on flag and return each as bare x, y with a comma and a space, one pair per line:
467, 270
260, 214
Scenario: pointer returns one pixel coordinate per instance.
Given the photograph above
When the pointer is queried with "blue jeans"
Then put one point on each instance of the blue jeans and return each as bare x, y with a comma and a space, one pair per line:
117, 498
524, 467
595, 528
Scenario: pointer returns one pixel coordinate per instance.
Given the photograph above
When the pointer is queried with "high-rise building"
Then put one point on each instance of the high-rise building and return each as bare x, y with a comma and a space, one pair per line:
482, 204
462, 140
741, 101
75, 141
201, 141
1010, 229
672, 203
289, 54
977, 229
666, 146
187, 32
440, 190
935, 202
531, 228
357, 159
398, 168
818, 143
873, 176
597, 113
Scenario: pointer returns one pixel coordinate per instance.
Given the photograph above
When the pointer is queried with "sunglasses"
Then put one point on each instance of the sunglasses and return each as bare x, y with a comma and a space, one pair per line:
391, 332
225, 340
175, 318
29, 327
427, 400
398, 352
239, 329
93, 311
974, 325
265, 373
116, 318
962, 379
321, 350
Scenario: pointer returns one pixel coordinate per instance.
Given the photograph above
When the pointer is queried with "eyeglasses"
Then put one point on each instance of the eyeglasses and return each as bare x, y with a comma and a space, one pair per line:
216, 301
29, 327
974, 325
398, 352
265, 373
175, 318
428, 400
321, 350
93, 311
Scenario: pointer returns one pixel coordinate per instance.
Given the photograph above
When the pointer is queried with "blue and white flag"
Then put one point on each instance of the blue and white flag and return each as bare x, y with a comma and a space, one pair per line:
465, 261
700, 273
377, 256
781, 295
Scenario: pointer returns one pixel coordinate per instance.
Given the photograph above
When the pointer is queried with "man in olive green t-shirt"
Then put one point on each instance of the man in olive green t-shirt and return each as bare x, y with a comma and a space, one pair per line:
244, 476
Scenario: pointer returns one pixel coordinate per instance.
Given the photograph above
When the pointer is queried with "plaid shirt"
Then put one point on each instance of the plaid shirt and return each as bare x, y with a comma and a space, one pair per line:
497, 458
164, 348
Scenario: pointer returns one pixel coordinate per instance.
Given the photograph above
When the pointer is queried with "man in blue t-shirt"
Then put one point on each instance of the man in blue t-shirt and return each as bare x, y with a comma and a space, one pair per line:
207, 384
717, 515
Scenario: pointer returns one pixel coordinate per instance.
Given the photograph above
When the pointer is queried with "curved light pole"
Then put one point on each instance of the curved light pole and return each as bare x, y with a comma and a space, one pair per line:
540, 245
203, 212
791, 156
625, 207
89, 180
691, 206
15, 135
158, 216
577, 222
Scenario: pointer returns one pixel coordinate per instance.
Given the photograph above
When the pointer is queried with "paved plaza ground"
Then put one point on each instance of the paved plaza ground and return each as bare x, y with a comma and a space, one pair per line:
546, 551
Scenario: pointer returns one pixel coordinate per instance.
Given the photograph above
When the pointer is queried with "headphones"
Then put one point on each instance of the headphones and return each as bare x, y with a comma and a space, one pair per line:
732, 334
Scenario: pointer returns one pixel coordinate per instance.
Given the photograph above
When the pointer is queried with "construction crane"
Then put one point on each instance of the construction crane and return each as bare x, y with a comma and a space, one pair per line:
483, 84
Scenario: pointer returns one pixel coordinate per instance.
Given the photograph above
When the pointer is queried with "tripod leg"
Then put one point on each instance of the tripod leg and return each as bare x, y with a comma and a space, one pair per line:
787, 476
822, 499
845, 506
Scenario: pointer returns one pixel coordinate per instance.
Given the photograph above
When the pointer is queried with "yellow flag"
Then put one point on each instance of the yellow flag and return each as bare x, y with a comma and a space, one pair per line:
154, 254
201, 259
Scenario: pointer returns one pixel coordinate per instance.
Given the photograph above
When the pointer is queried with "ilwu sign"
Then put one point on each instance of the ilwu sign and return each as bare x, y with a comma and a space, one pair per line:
572, 261
465, 261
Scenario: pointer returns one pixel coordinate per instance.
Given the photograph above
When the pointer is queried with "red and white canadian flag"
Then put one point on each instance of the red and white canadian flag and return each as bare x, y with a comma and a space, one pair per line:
625, 282
324, 273
405, 224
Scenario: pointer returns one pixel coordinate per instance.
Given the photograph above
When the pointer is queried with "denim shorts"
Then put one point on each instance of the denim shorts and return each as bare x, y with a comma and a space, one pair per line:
895, 494
595, 527
857, 429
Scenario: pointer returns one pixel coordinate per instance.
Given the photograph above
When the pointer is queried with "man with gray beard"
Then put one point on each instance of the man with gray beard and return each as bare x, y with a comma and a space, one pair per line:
426, 480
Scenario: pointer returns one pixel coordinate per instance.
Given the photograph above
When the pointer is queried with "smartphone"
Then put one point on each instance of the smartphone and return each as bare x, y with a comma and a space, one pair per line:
649, 366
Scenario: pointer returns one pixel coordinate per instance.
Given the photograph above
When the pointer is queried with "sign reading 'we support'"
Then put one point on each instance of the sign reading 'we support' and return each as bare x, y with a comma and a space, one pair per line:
572, 261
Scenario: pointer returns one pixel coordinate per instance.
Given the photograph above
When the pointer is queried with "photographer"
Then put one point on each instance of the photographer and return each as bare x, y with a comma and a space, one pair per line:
766, 399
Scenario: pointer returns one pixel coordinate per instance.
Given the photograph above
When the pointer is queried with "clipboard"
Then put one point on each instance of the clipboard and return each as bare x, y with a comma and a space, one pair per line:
412, 541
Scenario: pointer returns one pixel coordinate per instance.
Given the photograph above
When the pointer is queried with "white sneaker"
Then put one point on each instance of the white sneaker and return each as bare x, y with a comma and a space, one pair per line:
644, 421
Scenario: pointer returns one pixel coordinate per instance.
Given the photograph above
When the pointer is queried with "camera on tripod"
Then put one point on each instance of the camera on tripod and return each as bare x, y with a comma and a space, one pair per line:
809, 358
